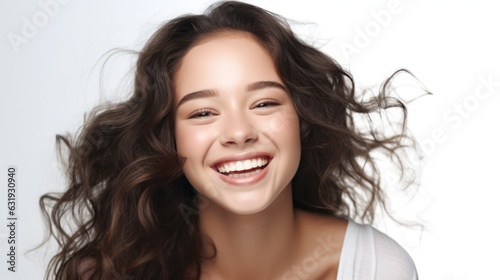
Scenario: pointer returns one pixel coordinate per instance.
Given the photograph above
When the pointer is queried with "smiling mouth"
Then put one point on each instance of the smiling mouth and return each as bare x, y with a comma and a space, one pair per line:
243, 168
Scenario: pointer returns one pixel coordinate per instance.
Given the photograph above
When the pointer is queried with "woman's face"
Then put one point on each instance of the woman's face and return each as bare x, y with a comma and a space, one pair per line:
235, 123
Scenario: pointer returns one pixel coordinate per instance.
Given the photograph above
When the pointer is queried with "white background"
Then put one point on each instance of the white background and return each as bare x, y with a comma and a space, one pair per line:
50, 78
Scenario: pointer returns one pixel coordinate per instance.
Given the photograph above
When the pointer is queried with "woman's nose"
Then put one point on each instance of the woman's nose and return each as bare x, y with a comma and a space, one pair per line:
238, 130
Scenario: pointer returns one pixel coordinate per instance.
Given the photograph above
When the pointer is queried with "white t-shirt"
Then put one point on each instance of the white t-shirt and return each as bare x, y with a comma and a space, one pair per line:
368, 254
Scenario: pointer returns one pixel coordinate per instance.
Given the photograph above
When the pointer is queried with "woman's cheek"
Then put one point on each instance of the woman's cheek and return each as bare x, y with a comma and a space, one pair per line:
191, 138
282, 121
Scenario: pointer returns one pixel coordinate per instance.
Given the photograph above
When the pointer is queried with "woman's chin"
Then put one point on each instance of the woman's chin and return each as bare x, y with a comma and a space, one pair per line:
247, 208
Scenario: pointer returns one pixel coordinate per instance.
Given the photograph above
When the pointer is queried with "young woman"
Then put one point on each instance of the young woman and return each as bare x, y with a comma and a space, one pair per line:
237, 157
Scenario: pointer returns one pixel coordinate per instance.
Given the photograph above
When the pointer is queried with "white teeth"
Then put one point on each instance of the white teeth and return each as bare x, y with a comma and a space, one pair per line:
248, 164
242, 165
222, 169
243, 175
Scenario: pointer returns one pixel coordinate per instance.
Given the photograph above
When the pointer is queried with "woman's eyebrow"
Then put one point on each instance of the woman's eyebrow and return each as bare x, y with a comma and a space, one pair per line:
264, 84
197, 94
211, 93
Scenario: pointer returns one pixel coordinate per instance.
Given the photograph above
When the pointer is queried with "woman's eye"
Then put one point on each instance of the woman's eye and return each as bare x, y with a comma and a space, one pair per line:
266, 103
202, 113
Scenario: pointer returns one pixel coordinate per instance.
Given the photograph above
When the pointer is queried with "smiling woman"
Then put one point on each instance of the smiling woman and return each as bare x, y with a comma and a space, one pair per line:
230, 128
237, 157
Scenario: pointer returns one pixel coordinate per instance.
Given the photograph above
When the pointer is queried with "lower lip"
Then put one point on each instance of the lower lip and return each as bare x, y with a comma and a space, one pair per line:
245, 180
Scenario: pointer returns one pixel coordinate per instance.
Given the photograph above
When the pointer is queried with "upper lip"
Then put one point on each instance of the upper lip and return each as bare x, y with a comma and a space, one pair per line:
240, 158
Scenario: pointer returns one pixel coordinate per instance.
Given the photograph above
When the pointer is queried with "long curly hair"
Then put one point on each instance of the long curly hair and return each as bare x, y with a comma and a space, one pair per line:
129, 209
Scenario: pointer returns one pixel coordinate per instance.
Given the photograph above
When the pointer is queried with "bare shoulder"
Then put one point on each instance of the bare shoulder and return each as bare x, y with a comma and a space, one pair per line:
323, 238
314, 223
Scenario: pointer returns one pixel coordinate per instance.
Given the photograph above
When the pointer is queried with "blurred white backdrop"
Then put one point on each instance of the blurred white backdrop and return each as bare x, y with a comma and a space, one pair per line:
52, 52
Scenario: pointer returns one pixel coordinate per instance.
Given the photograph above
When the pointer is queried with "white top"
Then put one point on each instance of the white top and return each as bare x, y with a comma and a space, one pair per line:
368, 254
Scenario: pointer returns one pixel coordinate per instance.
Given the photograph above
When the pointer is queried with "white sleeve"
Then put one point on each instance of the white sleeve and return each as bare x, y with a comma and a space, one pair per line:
368, 254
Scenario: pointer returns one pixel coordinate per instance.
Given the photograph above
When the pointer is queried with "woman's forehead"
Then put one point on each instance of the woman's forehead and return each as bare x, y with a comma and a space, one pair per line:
224, 61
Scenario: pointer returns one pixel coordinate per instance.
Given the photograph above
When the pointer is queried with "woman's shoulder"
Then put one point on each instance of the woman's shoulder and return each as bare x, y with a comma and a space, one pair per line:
320, 245
316, 227
368, 253
357, 251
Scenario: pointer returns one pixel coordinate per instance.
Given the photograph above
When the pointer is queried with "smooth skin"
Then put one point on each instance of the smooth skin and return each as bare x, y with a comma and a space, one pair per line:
231, 105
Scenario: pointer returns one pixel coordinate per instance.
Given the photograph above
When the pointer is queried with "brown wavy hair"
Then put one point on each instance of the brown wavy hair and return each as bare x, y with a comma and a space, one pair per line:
129, 209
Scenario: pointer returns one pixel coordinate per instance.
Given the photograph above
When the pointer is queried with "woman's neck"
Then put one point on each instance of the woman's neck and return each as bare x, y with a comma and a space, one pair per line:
253, 246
